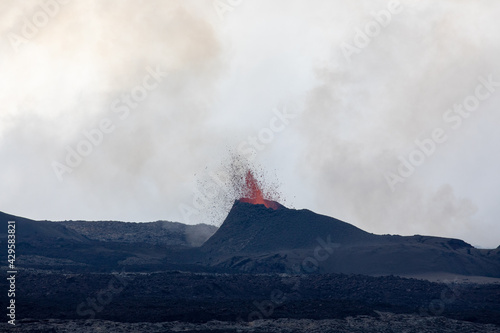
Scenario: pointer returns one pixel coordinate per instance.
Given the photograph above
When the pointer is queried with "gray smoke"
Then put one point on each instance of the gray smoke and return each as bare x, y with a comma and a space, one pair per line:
223, 75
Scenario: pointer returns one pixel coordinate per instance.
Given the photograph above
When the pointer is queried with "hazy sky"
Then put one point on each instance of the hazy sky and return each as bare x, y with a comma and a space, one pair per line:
383, 114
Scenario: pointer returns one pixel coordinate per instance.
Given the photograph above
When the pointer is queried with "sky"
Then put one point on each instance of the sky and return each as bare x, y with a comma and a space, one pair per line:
383, 114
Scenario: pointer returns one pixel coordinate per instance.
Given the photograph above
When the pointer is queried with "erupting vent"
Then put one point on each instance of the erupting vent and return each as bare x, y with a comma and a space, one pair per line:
253, 193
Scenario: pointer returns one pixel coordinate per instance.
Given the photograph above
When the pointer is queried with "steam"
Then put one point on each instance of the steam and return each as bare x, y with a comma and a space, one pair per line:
224, 76
363, 115
64, 82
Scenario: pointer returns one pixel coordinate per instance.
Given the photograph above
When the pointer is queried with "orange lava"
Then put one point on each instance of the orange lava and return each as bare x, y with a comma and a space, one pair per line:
253, 193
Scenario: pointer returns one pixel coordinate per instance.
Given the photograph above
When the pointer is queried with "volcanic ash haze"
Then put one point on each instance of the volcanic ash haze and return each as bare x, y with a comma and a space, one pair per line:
223, 79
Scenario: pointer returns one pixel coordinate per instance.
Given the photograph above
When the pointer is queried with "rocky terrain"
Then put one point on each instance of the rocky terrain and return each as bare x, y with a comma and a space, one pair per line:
104, 246
155, 233
201, 297
257, 239
263, 270
252, 239
383, 323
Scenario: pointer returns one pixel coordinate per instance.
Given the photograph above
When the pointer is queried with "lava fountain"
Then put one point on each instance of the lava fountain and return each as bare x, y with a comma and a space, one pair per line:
253, 193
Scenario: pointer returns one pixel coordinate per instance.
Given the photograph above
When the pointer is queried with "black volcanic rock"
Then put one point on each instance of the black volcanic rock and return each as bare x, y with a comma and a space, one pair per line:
254, 238
388, 322
66, 267
104, 245
35, 232
250, 228
156, 233
184, 296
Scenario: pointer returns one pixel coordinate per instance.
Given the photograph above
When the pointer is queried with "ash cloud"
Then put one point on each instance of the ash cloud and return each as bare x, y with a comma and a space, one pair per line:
64, 81
364, 114
224, 77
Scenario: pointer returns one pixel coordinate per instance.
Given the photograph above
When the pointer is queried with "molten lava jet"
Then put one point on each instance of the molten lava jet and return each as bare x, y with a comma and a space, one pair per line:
253, 193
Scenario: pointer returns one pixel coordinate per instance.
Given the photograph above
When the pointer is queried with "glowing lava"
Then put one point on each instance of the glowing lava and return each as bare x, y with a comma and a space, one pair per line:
253, 193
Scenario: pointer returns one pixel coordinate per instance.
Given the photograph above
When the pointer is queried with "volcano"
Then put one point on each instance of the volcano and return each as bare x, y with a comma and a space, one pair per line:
166, 278
257, 237
259, 228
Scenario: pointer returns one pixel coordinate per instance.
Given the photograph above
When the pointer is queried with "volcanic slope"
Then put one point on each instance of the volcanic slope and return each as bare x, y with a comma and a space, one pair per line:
82, 246
254, 238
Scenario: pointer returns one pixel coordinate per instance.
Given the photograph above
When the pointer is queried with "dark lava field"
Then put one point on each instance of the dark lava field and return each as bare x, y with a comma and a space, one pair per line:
263, 270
